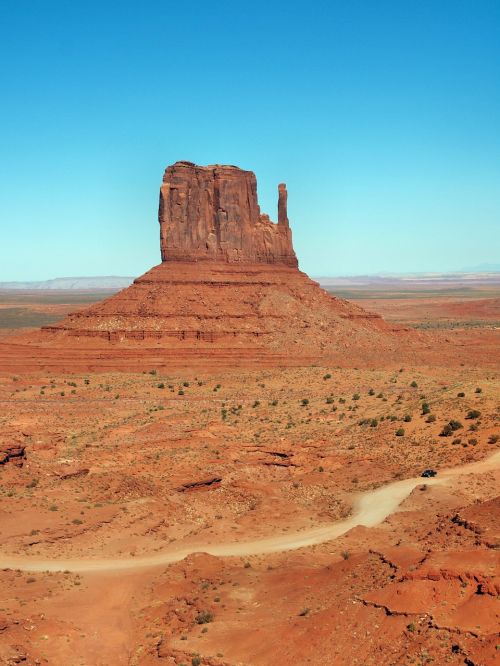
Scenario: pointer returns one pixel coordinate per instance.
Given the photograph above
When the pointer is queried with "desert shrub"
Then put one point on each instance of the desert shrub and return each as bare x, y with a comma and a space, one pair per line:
493, 439
430, 419
425, 408
461, 394
411, 627
478, 390
204, 617
407, 418
256, 404
450, 428
345, 554
327, 376
400, 432
473, 427
304, 402
473, 414
152, 372
373, 423
393, 417
472, 441
161, 385
180, 392
371, 392
414, 384
457, 440
304, 612
356, 396
329, 400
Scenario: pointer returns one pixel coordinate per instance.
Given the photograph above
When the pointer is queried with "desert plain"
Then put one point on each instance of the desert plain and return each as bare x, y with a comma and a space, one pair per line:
117, 486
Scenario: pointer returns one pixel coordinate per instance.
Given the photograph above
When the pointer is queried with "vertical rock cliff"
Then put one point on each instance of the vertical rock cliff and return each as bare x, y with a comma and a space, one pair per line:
212, 213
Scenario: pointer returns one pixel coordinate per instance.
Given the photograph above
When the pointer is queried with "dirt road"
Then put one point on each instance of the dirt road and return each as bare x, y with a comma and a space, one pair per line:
370, 509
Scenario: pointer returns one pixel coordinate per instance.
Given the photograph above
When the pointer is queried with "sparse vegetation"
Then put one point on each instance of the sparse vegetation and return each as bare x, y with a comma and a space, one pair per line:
204, 617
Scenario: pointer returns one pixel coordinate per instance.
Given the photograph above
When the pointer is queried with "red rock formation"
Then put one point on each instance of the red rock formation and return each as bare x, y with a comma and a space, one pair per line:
228, 291
212, 213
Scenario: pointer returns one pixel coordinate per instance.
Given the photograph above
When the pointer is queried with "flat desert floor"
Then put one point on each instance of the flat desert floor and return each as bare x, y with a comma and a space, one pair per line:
253, 517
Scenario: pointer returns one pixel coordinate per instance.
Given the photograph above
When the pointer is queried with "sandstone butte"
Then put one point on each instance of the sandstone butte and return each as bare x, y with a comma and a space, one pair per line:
228, 291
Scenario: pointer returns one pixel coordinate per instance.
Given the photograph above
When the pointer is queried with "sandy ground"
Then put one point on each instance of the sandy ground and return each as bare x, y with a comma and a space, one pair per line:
322, 543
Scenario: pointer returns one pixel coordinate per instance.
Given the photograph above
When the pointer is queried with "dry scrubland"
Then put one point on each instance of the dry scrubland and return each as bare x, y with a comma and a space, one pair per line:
123, 465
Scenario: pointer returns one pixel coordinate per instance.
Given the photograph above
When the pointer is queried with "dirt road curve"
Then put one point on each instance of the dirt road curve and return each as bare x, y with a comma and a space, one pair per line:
371, 508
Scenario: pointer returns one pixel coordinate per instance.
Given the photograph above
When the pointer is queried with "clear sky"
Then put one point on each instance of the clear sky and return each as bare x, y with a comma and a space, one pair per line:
382, 116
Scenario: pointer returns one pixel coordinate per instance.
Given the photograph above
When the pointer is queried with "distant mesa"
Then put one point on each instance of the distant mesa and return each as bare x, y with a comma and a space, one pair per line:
227, 292
211, 213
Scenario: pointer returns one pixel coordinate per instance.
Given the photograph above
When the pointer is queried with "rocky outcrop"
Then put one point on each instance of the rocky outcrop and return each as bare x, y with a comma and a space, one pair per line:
212, 214
14, 453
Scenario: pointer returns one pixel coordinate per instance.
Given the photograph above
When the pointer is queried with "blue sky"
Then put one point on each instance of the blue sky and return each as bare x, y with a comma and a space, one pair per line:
383, 118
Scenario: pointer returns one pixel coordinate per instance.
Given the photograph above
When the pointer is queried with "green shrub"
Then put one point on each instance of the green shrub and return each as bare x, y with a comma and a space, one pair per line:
356, 396
373, 423
425, 408
414, 384
478, 390
204, 617
430, 419
450, 428
371, 392
161, 385
327, 376
304, 402
473, 414
407, 418
400, 432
